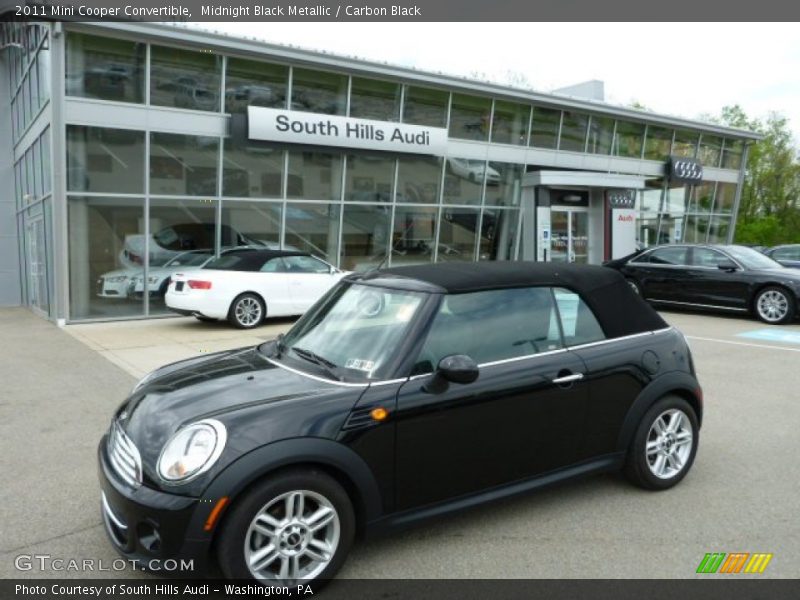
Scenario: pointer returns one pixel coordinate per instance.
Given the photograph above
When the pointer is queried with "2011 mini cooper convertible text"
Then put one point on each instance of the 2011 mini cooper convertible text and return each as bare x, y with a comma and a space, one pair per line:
402, 394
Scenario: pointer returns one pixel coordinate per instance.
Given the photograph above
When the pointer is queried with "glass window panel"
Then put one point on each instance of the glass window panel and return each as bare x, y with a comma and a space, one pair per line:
732, 154
647, 231
18, 177
578, 322
14, 119
677, 199
418, 178
414, 234
183, 165
458, 234
29, 185
629, 139
184, 78
314, 175
504, 184
372, 99
47, 175
463, 180
510, 123
669, 256
43, 65
658, 143
601, 134
694, 232
25, 101
573, 131
251, 169
313, 228
710, 150
422, 106
106, 245
105, 68
254, 83
702, 198
651, 196
708, 257
33, 78
498, 234
671, 229
369, 178
365, 236
544, 128
726, 194
105, 160
718, 230
469, 117
685, 143
36, 162
319, 92
251, 223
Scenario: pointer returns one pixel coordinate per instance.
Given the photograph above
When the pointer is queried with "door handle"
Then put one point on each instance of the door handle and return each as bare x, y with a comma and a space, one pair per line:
568, 378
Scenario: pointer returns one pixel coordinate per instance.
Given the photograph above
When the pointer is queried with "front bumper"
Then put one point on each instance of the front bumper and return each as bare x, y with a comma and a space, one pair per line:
153, 528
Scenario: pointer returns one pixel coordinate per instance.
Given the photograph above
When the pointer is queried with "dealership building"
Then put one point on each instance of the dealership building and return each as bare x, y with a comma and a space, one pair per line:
128, 149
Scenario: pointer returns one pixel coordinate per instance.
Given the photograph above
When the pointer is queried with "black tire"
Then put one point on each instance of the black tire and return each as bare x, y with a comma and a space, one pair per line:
205, 319
637, 467
237, 318
635, 287
775, 291
233, 536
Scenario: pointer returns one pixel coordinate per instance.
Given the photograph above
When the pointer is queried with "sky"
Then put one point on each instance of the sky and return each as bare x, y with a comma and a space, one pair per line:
682, 69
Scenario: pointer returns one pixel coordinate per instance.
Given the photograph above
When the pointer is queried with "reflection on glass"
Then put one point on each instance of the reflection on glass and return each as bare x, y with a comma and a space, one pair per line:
372, 99
314, 175
253, 83
184, 78
46, 172
677, 199
695, 229
651, 196
710, 150
504, 184
544, 127
418, 178
100, 269
671, 231
658, 143
463, 180
369, 177
252, 223
184, 165
313, 228
423, 106
365, 236
251, 169
510, 123
414, 235
601, 132
702, 198
573, 131
647, 231
726, 193
105, 160
498, 234
104, 68
458, 234
320, 92
469, 117
629, 139
718, 230
732, 154
685, 143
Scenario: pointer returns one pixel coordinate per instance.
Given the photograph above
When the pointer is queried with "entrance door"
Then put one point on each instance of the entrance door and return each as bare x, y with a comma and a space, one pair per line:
569, 236
38, 298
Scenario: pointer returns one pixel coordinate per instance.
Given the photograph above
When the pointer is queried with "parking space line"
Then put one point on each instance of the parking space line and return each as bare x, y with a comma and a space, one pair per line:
705, 339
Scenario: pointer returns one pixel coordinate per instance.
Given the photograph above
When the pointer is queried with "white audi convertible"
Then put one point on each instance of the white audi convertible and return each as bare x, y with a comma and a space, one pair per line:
247, 285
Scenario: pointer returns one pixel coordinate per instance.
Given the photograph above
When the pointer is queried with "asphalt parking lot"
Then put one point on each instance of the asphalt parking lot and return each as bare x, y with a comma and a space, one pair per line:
61, 386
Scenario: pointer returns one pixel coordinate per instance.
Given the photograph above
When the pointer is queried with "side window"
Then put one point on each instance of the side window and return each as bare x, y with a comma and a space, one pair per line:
669, 256
706, 257
577, 319
305, 264
492, 325
787, 253
641, 259
273, 265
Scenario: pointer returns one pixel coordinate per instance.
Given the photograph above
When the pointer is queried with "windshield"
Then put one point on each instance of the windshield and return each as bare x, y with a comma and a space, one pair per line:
752, 259
356, 331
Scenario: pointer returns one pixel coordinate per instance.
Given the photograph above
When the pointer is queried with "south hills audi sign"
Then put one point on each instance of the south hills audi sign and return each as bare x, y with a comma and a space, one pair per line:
294, 127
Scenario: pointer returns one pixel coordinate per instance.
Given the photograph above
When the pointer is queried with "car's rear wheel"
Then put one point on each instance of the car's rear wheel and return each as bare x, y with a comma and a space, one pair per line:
775, 305
247, 311
664, 446
296, 525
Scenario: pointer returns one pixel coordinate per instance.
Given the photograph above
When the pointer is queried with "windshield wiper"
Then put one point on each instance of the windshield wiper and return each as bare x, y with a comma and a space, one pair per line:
318, 360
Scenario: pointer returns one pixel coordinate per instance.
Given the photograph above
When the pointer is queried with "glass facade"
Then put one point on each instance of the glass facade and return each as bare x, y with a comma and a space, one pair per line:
137, 199
29, 78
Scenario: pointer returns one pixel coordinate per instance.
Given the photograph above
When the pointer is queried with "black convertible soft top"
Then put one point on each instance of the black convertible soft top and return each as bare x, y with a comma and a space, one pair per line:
617, 307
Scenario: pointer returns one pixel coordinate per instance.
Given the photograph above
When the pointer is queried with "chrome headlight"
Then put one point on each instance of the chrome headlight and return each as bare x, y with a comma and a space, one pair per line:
192, 451
117, 278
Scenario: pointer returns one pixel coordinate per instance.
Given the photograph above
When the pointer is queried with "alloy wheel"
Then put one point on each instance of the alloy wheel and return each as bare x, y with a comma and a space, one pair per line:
773, 306
248, 311
294, 536
669, 443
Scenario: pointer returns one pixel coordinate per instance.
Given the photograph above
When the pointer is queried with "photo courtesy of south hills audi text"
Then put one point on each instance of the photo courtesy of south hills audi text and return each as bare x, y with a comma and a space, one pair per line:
165, 590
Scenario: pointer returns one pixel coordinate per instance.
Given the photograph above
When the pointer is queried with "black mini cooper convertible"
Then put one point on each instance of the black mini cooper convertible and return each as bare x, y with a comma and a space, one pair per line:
401, 395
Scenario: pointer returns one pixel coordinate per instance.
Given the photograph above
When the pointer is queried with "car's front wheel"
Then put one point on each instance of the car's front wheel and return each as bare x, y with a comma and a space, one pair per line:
775, 305
664, 446
296, 525
247, 311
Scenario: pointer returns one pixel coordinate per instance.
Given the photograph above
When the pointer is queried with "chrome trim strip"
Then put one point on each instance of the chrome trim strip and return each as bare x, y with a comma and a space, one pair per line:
700, 305
518, 358
110, 514
314, 377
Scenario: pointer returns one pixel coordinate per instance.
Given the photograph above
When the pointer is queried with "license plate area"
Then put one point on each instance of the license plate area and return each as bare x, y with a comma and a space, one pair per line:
179, 286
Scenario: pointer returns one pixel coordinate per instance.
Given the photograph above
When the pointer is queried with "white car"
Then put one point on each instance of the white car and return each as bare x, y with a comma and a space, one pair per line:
246, 285
474, 170
158, 277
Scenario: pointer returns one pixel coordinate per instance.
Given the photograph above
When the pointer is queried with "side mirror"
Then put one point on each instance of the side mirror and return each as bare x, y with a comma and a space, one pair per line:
458, 368
728, 266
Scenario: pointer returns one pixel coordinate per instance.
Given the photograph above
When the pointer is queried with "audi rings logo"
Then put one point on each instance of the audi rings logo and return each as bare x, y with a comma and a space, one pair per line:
685, 169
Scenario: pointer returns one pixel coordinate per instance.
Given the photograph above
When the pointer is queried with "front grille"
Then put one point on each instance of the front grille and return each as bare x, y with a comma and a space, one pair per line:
124, 456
